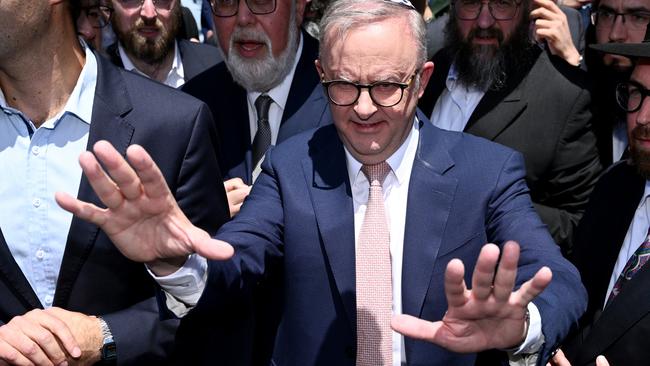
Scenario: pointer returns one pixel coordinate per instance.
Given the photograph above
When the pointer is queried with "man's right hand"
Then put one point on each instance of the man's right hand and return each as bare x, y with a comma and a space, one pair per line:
142, 217
37, 338
559, 359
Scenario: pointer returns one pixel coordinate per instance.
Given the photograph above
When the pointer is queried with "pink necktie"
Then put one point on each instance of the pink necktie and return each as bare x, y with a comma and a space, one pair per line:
373, 276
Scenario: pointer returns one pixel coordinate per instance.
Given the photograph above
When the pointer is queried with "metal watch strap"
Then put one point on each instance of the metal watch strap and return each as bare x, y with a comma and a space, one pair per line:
108, 351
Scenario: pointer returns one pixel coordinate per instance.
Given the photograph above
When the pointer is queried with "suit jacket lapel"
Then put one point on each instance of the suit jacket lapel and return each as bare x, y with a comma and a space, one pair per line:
15, 279
623, 313
110, 105
437, 83
430, 197
331, 197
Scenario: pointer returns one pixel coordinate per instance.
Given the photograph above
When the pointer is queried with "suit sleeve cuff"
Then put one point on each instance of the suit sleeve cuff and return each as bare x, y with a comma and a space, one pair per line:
184, 287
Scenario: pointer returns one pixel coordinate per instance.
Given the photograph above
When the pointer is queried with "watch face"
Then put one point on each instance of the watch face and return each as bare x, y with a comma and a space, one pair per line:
109, 352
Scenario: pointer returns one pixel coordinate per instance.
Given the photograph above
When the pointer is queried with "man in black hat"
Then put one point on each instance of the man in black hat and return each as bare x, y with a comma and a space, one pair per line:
613, 241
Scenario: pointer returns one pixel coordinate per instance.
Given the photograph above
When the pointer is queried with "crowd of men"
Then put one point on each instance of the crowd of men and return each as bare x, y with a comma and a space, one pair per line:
358, 198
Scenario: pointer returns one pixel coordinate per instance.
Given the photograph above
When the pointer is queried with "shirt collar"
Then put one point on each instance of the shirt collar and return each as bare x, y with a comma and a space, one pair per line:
280, 93
177, 63
399, 161
80, 101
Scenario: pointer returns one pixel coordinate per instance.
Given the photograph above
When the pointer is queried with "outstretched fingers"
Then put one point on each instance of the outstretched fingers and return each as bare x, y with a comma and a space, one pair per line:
483, 275
455, 288
412, 327
504, 280
533, 287
153, 182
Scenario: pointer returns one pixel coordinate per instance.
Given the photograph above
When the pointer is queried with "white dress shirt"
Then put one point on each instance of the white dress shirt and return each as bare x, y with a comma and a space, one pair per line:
279, 94
38, 162
455, 104
176, 75
635, 236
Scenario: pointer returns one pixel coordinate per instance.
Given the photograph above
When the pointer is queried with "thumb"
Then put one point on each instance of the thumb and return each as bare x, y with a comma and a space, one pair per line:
213, 248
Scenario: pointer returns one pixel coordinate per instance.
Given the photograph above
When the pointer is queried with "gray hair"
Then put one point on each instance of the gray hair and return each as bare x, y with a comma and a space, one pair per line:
343, 15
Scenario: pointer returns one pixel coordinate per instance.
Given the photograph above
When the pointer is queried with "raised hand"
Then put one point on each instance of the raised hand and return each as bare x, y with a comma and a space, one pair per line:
37, 338
552, 26
490, 315
142, 217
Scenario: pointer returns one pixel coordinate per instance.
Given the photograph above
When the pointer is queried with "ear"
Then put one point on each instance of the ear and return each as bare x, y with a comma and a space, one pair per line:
319, 69
300, 11
425, 75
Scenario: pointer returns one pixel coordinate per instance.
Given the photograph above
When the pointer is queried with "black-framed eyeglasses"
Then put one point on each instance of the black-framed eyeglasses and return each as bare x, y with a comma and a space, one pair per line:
383, 93
228, 8
98, 16
635, 20
133, 4
499, 9
630, 95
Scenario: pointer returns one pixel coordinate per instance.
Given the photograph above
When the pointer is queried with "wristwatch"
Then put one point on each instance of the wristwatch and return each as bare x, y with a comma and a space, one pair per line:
108, 351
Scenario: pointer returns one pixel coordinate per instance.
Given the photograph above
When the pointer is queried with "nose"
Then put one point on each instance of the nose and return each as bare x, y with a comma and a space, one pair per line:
365, 107
618, 33
148, 9
85, 29
485, 19
244, 14
643, 114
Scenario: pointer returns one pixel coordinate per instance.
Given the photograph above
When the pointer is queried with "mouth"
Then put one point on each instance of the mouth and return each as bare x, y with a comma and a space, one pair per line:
149, 32
249, 48
367, 127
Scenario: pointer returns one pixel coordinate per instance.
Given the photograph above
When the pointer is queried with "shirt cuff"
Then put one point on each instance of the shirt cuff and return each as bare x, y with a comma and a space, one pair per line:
527, 353
184, 287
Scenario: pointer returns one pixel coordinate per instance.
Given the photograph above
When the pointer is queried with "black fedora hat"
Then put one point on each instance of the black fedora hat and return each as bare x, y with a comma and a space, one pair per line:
627, 49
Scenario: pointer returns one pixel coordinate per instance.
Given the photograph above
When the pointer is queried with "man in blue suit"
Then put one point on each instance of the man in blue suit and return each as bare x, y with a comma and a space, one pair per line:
445, 195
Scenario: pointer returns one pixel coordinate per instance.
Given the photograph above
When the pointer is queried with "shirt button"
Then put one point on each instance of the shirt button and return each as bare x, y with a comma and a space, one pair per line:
36, 202
48, 300
36, 150
40, 254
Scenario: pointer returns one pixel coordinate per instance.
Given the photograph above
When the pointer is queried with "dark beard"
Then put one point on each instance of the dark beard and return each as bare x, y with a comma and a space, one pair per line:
486, 66
151, 51
640, 157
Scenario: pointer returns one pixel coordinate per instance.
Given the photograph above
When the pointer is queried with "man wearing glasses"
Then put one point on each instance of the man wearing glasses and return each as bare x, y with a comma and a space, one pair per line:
62, 278
613, 240
492, 81
93, 23
267, 89
147, 32
358, 223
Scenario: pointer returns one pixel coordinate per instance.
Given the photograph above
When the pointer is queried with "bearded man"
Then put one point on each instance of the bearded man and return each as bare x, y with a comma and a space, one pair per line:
149, 43
493, 82
266, 90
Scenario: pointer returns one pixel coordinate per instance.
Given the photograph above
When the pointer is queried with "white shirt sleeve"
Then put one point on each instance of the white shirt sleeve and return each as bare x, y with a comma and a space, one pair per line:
184, 287
527, 353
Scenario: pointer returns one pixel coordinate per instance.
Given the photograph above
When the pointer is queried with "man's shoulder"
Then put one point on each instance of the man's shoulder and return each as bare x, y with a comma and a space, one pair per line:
557, 76
204, 52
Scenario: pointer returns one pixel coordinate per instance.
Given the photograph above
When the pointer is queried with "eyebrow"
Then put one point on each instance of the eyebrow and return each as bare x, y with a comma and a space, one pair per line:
633, 9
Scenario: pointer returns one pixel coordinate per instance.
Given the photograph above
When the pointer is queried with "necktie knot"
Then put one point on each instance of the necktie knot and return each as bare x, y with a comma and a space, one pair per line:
262, 104
376, 173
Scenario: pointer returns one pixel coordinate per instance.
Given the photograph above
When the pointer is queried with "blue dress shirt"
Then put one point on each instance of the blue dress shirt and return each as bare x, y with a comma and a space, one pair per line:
36, 163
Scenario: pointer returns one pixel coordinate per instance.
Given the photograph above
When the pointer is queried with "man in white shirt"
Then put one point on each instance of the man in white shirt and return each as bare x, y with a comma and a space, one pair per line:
343, 249
148, 42
266, 55
613, 237
492, 81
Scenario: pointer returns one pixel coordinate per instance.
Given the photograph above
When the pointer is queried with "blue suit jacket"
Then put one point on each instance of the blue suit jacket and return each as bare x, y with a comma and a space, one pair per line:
297, 225
306, 108
95, 278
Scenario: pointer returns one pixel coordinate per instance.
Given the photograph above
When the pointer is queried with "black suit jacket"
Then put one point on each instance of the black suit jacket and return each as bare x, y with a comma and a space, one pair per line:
196, 57
542, 112
95, 278
306, 108
620, 332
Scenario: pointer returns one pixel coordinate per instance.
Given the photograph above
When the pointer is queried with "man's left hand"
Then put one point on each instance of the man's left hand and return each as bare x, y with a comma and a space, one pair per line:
86, 330
490, 315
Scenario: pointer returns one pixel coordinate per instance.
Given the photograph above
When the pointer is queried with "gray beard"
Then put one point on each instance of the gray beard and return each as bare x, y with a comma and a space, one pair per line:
263, 75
